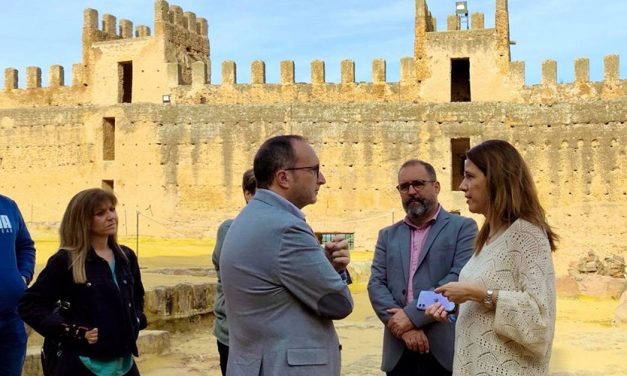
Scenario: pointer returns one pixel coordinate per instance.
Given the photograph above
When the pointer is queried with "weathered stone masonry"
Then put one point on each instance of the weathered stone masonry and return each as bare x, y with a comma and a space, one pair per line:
180, 163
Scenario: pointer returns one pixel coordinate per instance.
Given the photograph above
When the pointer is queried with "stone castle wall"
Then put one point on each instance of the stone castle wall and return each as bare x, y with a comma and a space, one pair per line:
141, 115
180, 165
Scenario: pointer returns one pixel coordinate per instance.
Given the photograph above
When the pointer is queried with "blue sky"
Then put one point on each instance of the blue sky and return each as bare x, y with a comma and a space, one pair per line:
42, 33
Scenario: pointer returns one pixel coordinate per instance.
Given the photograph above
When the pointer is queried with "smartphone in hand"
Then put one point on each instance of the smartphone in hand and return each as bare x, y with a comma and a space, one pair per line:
427, 297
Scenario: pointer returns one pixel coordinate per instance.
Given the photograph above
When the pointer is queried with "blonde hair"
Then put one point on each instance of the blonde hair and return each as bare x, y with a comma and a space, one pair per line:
75, 230
511, 191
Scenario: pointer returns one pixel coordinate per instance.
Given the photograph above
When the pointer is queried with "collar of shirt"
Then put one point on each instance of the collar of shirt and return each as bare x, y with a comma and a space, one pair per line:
291, 207
426, 224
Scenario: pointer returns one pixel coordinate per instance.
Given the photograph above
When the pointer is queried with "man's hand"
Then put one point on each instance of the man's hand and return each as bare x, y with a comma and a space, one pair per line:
92, 336
337, 252
416, 340
436, 311
399, 323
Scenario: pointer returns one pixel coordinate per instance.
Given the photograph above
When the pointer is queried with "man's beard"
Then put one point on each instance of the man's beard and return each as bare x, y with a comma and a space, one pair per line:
417, 208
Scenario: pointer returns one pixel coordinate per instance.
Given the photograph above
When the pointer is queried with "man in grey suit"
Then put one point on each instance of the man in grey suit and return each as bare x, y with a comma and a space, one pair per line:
221, 327
423, 251
282, 290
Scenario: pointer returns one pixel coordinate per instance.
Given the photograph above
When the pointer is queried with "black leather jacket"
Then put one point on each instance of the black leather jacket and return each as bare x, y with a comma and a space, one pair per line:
118, 313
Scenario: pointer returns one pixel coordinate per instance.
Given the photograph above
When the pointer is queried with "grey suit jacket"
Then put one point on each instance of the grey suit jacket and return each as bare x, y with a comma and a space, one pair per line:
281, 293
447, 247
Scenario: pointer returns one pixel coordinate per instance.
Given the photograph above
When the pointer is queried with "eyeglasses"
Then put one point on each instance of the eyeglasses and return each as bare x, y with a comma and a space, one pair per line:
418, 185
315, 169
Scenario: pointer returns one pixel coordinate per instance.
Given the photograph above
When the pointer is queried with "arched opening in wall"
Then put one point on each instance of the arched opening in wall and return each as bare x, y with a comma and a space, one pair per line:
107, 184
460, 80
108, 139
125, 82
459, 147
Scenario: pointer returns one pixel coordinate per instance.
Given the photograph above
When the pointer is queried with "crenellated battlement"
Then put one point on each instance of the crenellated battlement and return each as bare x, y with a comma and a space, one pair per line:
174, 17
57, 93
110, 31
378, 89
318, 89
186, 35
550, 91
56, 77
456, 65
477, 22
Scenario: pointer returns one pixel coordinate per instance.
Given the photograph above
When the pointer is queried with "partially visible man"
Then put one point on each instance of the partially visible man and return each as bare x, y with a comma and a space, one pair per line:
282, 290
425, 250
17, 263
221, 328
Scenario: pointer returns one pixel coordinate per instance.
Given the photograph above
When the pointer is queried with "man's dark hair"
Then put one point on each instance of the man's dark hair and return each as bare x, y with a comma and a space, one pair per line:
275, 154
426, 165
249, 183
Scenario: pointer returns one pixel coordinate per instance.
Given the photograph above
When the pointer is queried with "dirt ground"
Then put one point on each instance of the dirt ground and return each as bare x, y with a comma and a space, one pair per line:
586, 343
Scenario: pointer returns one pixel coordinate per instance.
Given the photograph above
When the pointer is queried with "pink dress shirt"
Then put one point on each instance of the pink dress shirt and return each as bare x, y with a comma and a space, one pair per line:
418, 237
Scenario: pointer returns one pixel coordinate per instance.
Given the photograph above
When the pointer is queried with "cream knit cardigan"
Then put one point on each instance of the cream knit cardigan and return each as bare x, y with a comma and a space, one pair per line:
515, 337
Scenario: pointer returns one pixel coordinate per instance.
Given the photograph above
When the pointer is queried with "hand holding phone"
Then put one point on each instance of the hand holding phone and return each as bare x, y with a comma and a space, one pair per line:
427, 297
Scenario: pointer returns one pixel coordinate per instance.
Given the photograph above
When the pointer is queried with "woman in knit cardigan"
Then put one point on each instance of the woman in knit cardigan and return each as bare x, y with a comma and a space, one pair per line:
506, 291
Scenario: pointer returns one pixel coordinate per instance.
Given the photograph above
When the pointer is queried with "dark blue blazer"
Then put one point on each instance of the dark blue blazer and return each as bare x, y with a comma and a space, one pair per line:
447, 248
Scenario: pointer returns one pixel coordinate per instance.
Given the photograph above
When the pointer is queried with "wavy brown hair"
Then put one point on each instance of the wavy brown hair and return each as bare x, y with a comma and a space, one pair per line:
75, 230
511, 191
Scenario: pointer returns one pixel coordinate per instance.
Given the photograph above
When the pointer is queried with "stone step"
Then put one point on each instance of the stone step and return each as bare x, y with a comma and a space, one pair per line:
149, 342
182, 301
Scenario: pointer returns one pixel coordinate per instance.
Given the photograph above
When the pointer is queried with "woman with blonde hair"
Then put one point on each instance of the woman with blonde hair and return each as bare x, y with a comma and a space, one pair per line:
506, 291
88, 300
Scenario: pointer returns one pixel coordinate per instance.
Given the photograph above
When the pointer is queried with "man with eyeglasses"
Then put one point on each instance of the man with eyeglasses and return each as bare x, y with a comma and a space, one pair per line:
220, 324
282, 290
427, 249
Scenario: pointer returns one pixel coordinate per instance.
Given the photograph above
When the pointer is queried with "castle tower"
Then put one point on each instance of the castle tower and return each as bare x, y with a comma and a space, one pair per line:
465, 65
142, 63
